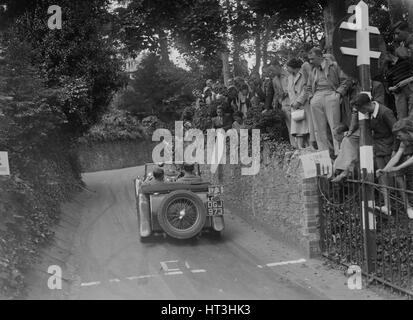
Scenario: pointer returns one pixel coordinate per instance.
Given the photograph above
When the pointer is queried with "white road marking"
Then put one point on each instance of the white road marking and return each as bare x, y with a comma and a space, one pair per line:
198, 271
114, 280
187, 265
283, 263
141, 277
90, 284
166, 268
174, 273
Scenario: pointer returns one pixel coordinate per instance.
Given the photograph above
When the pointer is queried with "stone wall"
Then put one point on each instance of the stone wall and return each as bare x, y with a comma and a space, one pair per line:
278, 199
100, 156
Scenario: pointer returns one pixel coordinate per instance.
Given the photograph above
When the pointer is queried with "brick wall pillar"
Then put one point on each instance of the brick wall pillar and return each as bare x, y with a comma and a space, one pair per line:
311, 217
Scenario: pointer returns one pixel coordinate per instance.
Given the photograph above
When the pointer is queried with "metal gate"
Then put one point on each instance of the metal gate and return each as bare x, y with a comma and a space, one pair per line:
379, 241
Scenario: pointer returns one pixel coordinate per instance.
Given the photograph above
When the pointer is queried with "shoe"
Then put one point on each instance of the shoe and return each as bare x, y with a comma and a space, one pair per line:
339, 178
383, 209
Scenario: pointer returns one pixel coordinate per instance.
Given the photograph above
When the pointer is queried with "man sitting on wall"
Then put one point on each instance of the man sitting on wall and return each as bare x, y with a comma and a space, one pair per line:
189, 175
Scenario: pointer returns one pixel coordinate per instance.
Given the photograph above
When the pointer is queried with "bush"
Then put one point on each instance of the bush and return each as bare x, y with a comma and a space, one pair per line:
203, 117
271, 123
116, 125
160, 89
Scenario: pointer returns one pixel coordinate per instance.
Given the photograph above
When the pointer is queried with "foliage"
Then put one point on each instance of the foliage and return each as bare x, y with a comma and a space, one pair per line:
203, 118
79, 58
115, 125
152, 123
270, 123
161, 88
196, 24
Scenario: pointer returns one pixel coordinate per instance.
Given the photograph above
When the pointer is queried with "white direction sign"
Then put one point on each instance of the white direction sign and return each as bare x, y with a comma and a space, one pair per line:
4, 164
363, 30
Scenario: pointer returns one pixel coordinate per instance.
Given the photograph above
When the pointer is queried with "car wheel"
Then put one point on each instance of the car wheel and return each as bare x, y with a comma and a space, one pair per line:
182, 214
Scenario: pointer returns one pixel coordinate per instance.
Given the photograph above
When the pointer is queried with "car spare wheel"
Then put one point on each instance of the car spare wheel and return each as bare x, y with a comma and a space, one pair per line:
182, 214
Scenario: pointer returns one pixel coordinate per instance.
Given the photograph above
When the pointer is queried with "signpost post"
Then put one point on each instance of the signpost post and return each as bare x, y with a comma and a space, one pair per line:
359, 23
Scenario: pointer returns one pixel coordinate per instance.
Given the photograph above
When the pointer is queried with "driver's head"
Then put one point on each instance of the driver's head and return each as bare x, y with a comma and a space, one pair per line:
189, 167
158, 174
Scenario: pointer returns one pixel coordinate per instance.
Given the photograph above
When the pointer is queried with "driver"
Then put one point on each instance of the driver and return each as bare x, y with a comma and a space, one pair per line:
189, 175
156, 178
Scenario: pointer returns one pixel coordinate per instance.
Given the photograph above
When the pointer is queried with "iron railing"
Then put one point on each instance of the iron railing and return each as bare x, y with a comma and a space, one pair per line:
344, 229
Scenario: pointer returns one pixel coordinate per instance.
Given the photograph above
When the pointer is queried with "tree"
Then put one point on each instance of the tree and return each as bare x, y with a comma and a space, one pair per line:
159, 89
397, 10
152, 24
81, 57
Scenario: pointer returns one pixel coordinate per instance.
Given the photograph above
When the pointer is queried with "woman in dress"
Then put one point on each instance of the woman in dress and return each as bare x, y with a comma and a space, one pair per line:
298, 99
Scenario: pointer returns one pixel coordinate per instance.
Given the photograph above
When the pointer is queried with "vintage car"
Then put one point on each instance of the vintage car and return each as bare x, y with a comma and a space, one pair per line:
180, 210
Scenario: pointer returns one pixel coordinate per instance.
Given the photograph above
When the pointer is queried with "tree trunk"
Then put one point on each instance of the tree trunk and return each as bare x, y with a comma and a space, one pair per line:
258, 45
236, 55
225, 67
333, 13
258, 52
396, 10
163, 46
266, 39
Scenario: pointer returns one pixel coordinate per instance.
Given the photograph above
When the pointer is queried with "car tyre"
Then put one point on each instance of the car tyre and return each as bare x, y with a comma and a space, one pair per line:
182, 214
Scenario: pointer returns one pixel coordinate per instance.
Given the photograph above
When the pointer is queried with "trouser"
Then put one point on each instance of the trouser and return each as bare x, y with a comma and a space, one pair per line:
325, 108
310, 122
286, 109
349, 153
404, 102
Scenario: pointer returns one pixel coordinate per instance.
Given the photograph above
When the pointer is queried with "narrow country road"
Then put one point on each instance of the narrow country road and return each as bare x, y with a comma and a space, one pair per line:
111, 263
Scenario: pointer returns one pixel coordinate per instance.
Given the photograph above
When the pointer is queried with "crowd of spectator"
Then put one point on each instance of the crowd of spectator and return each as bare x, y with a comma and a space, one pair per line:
320, 105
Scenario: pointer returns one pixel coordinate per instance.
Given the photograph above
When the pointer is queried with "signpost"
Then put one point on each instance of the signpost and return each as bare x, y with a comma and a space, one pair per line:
4, 164
359, 24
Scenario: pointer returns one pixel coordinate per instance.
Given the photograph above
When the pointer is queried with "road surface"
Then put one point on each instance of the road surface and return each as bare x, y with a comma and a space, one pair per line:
111, 263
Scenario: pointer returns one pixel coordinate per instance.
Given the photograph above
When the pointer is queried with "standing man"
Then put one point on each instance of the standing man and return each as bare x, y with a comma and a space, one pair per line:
326, 87
400, 80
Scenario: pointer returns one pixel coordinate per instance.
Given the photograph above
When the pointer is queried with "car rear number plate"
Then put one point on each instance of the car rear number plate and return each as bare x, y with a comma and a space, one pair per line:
215, 208
215, 190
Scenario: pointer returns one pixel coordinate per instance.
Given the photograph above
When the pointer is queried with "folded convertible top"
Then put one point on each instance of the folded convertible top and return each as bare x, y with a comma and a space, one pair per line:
169, 187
